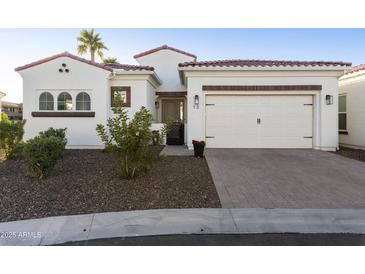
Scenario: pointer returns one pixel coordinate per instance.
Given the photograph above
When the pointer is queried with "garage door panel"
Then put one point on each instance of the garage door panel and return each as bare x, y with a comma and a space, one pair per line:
285, 121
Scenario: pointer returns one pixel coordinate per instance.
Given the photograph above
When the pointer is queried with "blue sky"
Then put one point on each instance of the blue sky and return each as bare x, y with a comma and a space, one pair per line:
21, 46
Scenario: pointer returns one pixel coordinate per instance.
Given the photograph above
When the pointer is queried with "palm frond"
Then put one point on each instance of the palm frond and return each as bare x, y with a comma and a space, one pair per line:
88, 41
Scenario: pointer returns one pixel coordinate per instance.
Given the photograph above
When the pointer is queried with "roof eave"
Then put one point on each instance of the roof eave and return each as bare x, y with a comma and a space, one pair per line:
60, 55
184, 69
139, 72
264, 68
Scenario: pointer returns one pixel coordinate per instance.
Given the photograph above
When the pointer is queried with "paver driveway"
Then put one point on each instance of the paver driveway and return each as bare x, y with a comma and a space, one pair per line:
286, 178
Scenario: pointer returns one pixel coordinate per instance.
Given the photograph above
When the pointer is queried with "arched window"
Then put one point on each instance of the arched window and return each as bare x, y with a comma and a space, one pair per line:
83, 101
46, 101
64, 101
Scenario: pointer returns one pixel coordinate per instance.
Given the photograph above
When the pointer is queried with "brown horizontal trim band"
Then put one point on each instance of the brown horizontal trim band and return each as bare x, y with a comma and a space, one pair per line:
262, 88
172, 93
63, 114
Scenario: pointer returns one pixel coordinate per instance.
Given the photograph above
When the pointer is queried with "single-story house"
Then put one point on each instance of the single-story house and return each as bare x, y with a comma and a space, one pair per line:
227, 103
352, 108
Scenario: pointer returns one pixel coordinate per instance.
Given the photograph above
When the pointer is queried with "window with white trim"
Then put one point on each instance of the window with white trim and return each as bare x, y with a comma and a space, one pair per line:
342, 113
83, 101
46, 101
64, 101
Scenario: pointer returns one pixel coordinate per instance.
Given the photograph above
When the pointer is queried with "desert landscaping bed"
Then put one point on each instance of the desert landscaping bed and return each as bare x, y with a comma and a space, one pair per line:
86, 181
357, 154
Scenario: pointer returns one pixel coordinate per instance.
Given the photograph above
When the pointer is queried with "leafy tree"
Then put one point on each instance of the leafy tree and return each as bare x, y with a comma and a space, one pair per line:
130, 139
90, 42
110, 60
4, 117
11, 136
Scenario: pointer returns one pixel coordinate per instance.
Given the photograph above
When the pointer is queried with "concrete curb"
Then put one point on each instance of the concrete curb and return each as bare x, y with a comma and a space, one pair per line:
57, 230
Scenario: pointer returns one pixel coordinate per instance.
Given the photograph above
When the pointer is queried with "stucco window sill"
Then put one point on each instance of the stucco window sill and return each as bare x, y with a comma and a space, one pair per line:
63, 114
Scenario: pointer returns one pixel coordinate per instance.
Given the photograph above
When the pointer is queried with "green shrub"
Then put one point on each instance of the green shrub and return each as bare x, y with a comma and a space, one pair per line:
42, 153
131, 140
4, 116
59, 133
11, 137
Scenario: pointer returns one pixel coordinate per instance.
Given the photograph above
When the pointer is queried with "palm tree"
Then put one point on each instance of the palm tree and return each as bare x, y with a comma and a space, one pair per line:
110, 60
88, 41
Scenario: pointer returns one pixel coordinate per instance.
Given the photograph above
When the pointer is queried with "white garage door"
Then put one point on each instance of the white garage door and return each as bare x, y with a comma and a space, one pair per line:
258, 121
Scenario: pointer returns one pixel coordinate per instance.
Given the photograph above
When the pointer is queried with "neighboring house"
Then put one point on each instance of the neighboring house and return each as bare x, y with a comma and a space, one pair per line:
352, 108
2, 94
13, 110
232, 103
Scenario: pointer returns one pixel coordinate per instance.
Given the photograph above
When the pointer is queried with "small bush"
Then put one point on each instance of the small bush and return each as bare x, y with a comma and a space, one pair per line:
42, 153
11, 136
59, 133
131, 139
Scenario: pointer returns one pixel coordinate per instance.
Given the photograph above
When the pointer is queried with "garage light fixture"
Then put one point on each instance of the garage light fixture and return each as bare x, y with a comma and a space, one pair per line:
196, 101
329, 99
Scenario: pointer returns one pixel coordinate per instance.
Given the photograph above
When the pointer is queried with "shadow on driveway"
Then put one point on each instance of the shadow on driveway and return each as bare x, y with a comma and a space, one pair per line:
269, 239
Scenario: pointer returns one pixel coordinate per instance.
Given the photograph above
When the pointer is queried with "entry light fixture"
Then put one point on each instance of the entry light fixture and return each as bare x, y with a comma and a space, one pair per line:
329, 99
196, 101
157, 104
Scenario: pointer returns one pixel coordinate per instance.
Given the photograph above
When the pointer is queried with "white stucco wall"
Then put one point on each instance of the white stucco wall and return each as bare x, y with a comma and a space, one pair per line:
150, 100
325, 118
82, 77
142, 94
166, 63
354, 88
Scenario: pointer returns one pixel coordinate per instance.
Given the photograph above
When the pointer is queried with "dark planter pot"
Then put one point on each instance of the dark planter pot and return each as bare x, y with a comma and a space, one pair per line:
198, 150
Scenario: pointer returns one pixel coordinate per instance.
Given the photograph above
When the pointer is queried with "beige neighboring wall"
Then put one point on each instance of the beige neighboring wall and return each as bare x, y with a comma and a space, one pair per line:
353, 86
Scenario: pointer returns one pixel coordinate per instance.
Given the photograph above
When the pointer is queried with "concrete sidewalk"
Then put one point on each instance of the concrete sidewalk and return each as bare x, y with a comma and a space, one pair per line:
57, 230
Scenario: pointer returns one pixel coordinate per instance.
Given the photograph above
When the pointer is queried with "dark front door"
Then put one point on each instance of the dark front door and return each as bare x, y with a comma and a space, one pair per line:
173, 110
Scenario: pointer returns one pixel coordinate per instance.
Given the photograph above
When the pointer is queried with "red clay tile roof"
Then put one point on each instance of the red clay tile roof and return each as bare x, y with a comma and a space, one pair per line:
129, 67
355, 69
108, 67
64, 54
161, 48
260, 63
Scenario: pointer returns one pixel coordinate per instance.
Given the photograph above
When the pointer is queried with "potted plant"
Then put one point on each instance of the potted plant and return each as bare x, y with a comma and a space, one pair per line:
198, 148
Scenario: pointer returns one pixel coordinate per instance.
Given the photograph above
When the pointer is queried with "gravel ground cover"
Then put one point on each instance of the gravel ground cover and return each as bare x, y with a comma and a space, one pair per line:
86, 181
357, 154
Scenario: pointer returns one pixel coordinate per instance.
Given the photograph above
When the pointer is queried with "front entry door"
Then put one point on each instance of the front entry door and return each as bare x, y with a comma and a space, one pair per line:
172, 109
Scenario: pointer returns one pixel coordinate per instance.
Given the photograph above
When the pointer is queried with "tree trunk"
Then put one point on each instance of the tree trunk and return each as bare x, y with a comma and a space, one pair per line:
92, 56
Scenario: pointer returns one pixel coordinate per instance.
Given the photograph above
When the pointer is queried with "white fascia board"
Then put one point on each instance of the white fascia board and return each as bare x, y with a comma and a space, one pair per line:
339, 70
265, 68
352, 75
138, 72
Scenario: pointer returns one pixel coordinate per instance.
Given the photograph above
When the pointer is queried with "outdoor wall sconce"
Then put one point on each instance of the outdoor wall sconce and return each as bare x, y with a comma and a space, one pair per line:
196, 101
329, 99
157, 104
